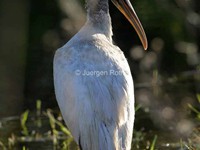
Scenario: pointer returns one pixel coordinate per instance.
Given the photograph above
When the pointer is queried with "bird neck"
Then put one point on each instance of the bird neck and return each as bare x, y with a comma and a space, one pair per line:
99, 17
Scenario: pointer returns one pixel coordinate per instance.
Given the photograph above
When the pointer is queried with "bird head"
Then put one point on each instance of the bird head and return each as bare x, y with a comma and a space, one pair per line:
128, 11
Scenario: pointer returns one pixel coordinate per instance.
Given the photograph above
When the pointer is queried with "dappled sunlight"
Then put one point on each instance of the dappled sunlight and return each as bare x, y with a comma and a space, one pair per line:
190, 50
166, 76
157, 44
75, 15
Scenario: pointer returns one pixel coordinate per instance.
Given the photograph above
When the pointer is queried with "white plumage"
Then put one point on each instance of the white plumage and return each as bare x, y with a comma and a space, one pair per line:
94, 86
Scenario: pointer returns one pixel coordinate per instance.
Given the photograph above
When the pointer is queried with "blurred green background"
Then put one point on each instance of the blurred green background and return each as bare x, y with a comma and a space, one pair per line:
166, 76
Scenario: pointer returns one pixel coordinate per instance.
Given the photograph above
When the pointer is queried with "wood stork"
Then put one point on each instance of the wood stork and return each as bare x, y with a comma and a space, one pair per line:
93, 82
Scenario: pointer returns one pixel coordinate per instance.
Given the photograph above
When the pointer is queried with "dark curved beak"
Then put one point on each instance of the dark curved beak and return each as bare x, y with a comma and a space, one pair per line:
127, 10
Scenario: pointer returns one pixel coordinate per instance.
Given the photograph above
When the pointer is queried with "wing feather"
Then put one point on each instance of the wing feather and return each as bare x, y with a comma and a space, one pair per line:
98, 109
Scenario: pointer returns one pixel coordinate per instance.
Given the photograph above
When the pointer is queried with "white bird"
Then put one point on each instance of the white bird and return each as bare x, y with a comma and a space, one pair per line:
93, 82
